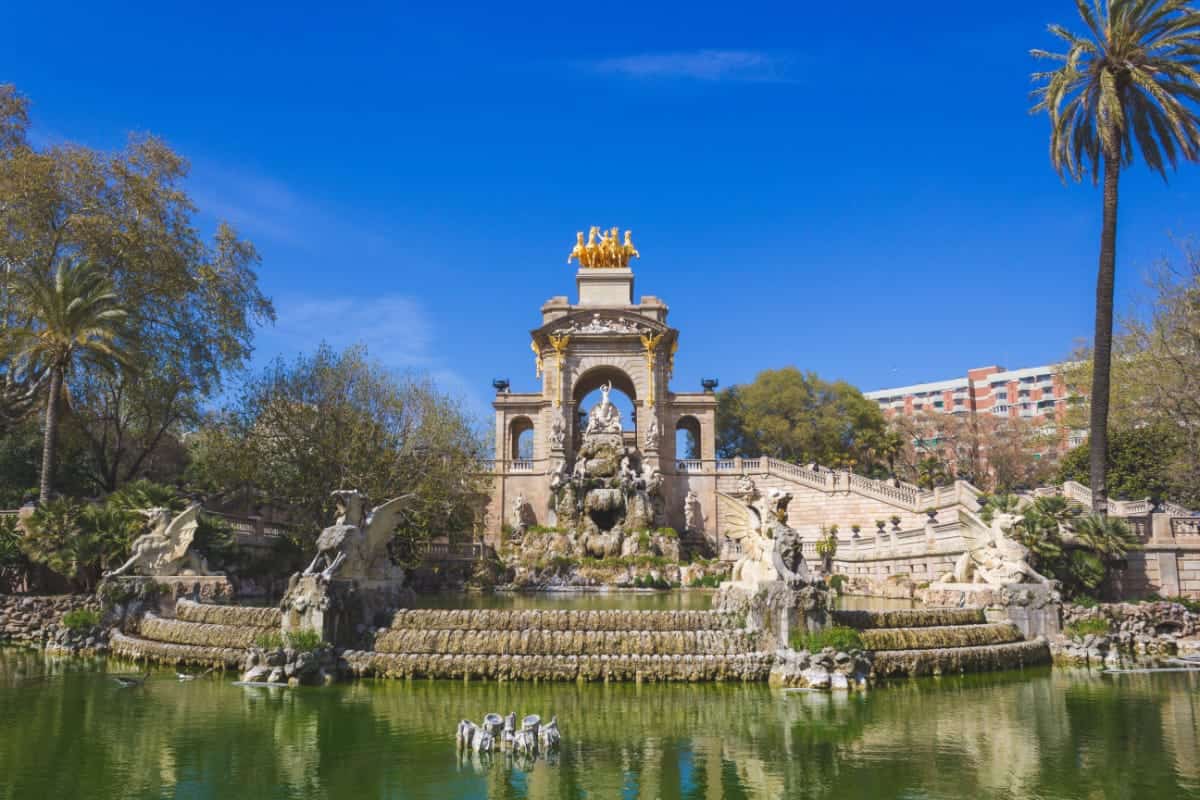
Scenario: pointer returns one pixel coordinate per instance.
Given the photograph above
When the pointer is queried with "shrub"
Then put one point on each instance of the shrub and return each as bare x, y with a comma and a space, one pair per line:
668, 533
304, 640
1086, 600
269, 640
836, 582
81, 619
1092, 625
839, 637
705, 582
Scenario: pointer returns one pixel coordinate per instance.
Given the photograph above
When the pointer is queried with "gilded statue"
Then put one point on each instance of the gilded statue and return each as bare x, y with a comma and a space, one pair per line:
603, 250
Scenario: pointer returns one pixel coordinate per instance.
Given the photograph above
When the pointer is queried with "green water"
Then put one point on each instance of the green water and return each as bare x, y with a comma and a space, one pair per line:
69, 732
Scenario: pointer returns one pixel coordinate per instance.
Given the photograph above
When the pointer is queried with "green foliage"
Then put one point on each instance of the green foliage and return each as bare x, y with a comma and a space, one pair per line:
839, 637
991, 504
1139, 462
1097, 626
81, 619
797, 417
705, 582
667, 533
836, 582
651, 582
1077, 551
11, 554
1087, 601
827, 544
347, 422
304, 640
269, 640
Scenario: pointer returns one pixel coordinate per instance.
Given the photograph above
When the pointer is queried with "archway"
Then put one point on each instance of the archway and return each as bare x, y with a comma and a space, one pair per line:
586, 393
687, 439
520, 439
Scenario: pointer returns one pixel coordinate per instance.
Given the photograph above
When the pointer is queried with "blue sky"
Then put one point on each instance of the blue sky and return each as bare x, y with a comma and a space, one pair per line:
857, 192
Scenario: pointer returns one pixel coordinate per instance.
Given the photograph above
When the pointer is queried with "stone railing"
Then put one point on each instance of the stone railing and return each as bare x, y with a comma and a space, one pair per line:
520, 465
450, 551
1185, 526
689, 465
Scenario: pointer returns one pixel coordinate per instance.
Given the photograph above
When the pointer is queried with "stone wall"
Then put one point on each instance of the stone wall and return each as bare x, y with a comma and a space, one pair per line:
561, 620
1166, 570
36, 621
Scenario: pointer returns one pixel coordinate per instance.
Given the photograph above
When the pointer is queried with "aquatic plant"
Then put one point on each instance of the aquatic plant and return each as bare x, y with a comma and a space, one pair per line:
1098, 626
839, 637
81, 619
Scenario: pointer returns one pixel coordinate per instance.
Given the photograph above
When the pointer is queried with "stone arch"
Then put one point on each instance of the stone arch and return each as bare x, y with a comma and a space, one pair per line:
592, 379
520, 436
687, 433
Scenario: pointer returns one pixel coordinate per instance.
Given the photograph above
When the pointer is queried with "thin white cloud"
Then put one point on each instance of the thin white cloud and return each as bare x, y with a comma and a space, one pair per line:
396, 329
700, 65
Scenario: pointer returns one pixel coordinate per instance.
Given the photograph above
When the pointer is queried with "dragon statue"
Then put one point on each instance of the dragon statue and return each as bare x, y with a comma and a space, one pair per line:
355, 545
770, 549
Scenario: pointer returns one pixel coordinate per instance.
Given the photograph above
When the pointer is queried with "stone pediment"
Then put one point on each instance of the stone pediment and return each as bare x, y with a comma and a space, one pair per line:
587, 323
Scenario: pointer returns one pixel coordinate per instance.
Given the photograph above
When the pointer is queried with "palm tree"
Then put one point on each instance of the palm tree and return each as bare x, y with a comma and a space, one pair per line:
74, 317
1129, 84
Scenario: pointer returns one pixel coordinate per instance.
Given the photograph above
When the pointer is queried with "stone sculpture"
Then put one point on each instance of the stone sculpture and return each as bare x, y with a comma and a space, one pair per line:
166, 549
997, 559
693, 514
355, 546
522, 515
770, 549
604, 417
532, 739
558, 433
651, 438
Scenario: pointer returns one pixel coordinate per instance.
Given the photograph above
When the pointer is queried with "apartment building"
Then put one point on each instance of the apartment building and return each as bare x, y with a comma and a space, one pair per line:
1038, 394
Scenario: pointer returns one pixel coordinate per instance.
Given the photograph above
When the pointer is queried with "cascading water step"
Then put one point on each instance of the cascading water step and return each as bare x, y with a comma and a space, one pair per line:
566, 642
944, 660
909, 618
562, 620
941, 636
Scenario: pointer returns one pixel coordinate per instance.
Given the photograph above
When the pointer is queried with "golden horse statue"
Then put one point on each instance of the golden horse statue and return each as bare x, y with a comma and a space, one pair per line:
603, 249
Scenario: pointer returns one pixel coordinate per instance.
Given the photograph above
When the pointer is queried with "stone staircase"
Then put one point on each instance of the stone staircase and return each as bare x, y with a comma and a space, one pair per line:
564, 645
938, 641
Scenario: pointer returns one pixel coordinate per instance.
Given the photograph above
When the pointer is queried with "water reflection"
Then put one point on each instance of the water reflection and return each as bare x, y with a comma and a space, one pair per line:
1038, 734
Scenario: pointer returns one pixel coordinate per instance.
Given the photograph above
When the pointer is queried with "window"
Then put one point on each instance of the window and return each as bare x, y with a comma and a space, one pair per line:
1002, 396
998, 410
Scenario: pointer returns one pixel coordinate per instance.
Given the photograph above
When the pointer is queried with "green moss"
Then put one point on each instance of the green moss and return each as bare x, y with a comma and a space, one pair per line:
705, 582
839, 637
304, 640
1093, 625
81, 619
668, 533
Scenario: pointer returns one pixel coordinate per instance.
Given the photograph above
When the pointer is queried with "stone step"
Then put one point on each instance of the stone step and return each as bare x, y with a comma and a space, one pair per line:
492, 619
179, 631
909, 618
741, 667
248, 616
950, 660
136, 648
552, 642
940, 636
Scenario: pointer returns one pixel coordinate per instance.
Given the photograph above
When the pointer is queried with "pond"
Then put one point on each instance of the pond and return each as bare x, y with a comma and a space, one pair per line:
70, 731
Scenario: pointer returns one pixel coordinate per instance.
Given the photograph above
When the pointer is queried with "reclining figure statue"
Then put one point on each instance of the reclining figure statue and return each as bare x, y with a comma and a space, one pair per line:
166, 549
997, 559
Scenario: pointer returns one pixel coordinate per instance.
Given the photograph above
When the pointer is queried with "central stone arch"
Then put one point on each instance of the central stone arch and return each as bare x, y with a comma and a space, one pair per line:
591, 379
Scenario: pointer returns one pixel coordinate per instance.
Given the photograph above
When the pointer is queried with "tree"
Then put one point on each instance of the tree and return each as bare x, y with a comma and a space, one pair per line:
74, 318
340, 421
192, 305
1128, 85
796, 416
1154, 447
